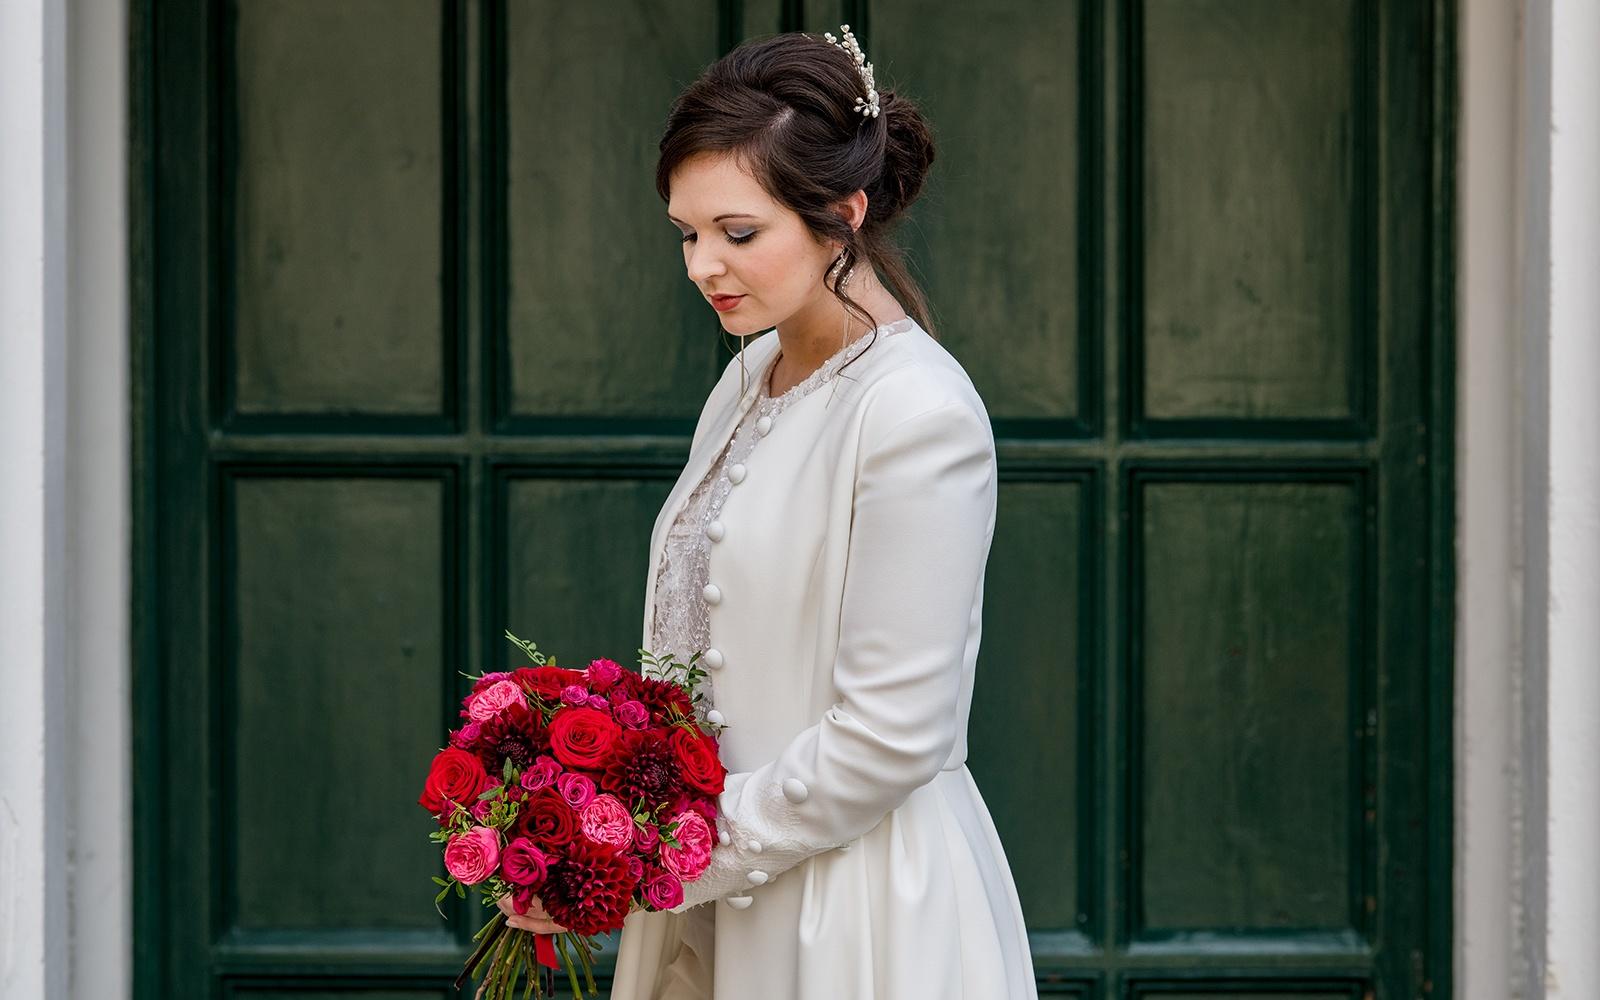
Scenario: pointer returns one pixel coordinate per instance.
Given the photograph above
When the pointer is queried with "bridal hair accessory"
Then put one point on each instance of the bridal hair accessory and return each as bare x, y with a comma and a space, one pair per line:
866, 105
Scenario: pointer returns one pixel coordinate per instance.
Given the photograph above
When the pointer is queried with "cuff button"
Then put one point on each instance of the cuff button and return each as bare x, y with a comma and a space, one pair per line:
758, 877
740, 902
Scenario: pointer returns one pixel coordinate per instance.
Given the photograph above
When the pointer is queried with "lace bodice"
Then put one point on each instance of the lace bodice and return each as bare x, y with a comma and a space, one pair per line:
681, 620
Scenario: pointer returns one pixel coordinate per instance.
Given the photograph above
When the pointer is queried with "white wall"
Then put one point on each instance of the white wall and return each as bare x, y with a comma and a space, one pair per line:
1568, 470
64, 531
1528, 638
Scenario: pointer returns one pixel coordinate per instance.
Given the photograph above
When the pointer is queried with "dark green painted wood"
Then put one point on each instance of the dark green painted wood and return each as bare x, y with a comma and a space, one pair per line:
1038, 658
1248, 662
593, 279
335, 593
1010, 97
1252, 166
339, 199
565, 541
407, 336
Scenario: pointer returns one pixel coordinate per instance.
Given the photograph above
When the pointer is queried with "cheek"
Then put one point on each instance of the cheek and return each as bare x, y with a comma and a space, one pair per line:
782, 271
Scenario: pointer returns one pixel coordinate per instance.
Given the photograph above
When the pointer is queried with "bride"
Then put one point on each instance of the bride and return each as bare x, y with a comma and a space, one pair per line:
823, 552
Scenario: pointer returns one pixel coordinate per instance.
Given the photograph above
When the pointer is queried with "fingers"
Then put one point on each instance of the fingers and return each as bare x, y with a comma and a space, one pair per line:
535, 920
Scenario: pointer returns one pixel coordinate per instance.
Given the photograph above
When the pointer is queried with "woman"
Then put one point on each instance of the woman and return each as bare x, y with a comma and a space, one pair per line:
824, 552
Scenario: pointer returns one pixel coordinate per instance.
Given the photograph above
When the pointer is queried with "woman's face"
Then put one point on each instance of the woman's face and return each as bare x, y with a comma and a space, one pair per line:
738, 241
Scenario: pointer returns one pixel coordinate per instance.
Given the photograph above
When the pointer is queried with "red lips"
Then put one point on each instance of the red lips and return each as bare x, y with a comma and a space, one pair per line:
722, 303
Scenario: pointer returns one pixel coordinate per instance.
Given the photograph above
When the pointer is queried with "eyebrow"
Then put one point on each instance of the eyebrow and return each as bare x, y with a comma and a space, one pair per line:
725, 215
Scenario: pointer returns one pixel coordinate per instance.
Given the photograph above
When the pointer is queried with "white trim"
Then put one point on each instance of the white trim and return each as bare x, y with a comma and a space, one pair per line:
35, 855
98, 502
1486, 649
1572, 507
1527, 879
65, 871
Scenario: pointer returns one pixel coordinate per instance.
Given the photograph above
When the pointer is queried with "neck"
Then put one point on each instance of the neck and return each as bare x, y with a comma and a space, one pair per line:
815, 333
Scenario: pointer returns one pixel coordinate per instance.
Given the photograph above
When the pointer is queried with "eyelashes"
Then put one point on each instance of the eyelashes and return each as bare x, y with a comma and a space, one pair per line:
736, 240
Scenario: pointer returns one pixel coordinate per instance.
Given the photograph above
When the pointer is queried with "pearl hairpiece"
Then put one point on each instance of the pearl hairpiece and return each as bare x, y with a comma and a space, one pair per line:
866, 105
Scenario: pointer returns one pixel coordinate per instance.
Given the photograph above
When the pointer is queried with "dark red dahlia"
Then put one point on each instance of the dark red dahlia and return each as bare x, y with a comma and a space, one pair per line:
517, 734
588, 887
657, 695
644, 768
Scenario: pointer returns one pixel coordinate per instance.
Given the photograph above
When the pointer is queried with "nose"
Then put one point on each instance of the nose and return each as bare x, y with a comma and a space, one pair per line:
702, 261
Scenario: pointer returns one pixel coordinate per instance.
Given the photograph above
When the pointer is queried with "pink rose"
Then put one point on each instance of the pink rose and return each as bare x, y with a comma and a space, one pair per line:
603, 674
635, 868
576, 789
466, 735
522, 863
542, 774
471, 857
632, 714
494, 699
480, 809
645, 839
693, 853
607, 821
598, 701
662, 889
575, 694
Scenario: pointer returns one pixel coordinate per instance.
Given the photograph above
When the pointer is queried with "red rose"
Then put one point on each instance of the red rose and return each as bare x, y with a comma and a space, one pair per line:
583, 737
456, 775
545, 818
697, 758
547, 682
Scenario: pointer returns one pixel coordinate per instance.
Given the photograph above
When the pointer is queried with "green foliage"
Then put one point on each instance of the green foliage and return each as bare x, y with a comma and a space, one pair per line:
528, 647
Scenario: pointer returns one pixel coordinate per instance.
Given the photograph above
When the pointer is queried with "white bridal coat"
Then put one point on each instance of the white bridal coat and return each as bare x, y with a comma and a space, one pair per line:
861, 861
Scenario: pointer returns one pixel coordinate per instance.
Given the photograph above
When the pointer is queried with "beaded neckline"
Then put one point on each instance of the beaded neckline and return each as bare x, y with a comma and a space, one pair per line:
767, 403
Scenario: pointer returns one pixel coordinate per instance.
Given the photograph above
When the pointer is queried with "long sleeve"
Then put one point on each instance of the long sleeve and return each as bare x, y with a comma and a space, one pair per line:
920, 534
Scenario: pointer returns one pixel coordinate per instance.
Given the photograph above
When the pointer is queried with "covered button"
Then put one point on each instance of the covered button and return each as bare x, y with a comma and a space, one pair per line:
715, 717
715, 531
795, 790
758, 877
740, 902
723, 838
763, 426
753, 846
736, 473
712, 593
713, 658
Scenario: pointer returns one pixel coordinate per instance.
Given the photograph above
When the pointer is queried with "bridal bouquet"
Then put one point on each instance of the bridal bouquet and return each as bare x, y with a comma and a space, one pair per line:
594, 790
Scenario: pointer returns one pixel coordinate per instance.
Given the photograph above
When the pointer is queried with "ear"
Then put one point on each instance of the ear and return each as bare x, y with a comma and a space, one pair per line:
853, 208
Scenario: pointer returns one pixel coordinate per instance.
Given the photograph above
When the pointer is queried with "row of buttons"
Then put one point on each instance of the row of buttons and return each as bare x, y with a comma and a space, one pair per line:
796, 791
717, 531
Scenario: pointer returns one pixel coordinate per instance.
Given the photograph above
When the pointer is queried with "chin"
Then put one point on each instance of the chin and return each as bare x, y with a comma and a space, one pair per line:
741, 326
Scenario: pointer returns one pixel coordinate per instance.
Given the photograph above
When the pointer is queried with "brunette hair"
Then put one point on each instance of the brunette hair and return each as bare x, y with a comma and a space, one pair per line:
784, 107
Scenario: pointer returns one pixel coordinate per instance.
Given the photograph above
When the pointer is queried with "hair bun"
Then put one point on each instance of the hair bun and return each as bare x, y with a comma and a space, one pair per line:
907, 153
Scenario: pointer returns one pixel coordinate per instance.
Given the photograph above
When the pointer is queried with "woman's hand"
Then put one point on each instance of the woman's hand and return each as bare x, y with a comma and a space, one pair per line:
536, 919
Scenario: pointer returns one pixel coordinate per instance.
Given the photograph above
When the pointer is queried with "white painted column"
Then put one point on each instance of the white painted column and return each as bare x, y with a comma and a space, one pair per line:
1527, 887
34, 840
1487, 647
97, 505
65, 761
1571, 507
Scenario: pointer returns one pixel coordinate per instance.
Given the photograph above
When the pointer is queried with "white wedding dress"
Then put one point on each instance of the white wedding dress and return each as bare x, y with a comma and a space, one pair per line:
921, 907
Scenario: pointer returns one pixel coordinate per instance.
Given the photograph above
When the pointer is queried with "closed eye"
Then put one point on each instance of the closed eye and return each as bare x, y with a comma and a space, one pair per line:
736, 240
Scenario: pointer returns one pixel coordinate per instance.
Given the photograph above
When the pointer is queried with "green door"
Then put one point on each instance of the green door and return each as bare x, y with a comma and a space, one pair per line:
416, 360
